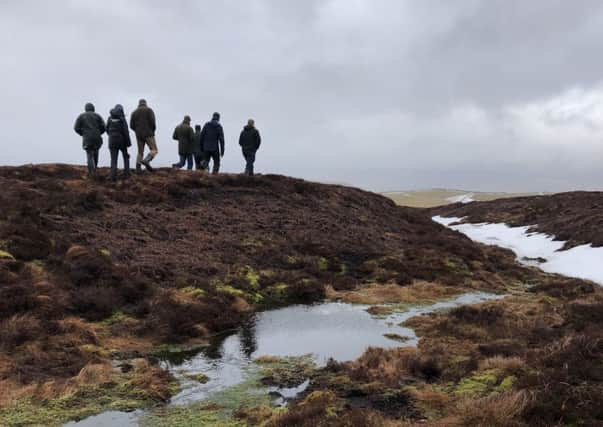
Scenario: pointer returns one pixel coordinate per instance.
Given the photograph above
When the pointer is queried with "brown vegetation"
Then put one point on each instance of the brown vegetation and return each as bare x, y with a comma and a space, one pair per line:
575, 217
174, 256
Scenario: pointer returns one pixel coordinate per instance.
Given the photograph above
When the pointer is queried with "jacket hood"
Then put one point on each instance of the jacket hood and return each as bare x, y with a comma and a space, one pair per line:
215, 122
89, 107
117, 111
249, 127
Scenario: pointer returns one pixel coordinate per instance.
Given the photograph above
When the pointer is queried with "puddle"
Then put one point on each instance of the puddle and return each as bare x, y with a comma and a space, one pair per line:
328, 330
109, 419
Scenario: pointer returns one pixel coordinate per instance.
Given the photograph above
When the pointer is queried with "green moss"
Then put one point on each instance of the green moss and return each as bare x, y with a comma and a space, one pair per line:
251, 242
252, 277
276, 294
480, 384
227, 289
6, 255
323, 263
194, 292
105, 252
118, 316
286, 371
506, 384
189, 416
343, 269
119, 395
218, 410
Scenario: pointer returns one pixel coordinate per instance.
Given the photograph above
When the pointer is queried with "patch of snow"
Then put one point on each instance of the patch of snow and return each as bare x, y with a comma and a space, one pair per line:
583, 262
463, 198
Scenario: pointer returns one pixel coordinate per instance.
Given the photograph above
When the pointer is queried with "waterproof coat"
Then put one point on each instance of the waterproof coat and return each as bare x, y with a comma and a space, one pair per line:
117, 129
250, 139
184, 134
90, 126
212, 137
197, 149
142, 121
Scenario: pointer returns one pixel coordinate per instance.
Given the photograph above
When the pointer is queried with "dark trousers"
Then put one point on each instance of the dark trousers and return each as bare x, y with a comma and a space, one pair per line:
198, 160
92, 159
249, 159
211, 155
114, 155
185, 158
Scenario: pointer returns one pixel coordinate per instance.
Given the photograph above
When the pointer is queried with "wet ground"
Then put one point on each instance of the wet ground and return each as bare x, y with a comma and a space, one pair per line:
328, 330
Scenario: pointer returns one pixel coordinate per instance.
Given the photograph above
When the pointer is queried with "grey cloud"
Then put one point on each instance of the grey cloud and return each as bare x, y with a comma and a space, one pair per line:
384, 94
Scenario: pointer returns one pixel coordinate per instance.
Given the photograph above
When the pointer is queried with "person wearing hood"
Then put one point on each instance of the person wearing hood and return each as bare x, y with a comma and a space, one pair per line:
250, 141
197, 149
212, 140
184, 134
90, 126
119, 140
142, 122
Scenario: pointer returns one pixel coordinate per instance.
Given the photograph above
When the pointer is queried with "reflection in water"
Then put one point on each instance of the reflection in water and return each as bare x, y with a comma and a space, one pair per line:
247, 337
328, 330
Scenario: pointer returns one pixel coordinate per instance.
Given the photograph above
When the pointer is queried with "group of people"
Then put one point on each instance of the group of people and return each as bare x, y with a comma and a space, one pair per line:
201, 145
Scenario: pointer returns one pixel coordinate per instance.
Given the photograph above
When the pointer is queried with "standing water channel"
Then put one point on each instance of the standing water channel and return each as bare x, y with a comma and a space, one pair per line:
327, 330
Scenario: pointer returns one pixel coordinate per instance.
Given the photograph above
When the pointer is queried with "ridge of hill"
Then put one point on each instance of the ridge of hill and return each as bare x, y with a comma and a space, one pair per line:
574, 217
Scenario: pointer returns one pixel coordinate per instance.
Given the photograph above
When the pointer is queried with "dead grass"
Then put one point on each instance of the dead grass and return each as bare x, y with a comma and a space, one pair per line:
392, 367
418, 292
508, 365
500, 410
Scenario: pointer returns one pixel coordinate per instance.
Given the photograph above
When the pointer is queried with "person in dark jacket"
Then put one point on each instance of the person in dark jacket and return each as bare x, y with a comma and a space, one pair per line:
250, 141
197, 149
212, 139
142, 122
184, 134
119, 140
90, 126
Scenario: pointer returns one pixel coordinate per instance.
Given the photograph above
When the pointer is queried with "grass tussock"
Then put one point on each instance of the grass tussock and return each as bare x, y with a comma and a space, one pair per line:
418, 292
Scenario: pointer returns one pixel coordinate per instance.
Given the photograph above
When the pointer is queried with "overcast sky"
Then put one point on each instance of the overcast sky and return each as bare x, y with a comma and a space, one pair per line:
380, 94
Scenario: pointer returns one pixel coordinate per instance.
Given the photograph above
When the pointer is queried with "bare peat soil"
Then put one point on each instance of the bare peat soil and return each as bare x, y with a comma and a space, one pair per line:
574, 217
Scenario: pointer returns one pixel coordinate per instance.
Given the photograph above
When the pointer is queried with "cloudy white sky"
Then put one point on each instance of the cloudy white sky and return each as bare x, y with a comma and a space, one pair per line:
380, 94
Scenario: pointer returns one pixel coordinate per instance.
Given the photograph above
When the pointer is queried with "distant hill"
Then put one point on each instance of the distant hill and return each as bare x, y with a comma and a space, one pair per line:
439, 197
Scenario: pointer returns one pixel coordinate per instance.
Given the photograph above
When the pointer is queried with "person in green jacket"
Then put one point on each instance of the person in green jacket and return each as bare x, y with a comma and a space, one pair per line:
90, 126
184, 134
142, 122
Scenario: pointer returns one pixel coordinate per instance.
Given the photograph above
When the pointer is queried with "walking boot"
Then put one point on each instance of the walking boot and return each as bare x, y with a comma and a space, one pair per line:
138, 168
147, 163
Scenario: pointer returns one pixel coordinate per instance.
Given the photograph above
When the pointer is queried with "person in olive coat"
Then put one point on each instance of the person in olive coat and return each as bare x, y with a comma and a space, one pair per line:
212, 139
142, 122
197, 149
90, 126
184, 134
250, 141
119, 140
